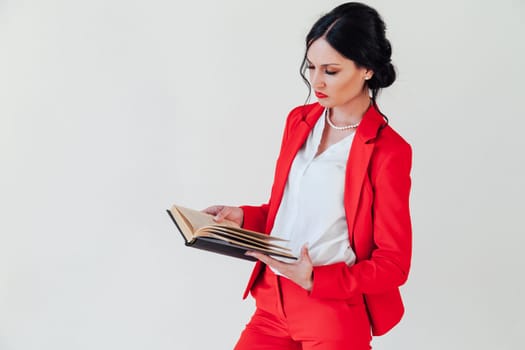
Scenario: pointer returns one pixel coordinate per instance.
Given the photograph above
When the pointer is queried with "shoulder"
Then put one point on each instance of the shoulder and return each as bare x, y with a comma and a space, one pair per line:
299, 113
304, 108
306, 113
374, 129
391, 152
388, 140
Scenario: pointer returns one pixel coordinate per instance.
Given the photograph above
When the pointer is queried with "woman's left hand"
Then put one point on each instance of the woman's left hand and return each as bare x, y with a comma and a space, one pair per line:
299, 271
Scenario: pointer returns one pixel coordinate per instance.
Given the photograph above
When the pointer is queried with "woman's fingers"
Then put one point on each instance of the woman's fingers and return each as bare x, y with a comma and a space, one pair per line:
300, 271
213, 210
305, 255
219, 212
223, 212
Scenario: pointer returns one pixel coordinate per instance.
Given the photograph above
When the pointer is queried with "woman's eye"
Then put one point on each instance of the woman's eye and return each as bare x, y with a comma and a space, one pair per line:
330, 72
310, 67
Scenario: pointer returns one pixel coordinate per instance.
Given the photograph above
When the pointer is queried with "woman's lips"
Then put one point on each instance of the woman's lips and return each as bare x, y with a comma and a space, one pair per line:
320, 95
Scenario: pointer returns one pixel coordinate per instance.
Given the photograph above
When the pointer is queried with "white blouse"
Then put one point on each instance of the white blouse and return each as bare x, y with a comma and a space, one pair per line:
312, 210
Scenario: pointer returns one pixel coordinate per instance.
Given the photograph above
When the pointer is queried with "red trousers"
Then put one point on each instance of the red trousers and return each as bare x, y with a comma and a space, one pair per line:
287, 318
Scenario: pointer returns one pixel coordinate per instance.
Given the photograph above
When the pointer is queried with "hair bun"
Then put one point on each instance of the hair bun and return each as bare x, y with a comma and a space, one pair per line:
383, 77
389, 75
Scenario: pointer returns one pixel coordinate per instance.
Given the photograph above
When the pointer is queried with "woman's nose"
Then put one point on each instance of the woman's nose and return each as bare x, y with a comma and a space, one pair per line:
317, 81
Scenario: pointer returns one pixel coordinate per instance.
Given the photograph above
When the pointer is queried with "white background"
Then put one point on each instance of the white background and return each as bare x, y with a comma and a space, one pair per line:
112, 110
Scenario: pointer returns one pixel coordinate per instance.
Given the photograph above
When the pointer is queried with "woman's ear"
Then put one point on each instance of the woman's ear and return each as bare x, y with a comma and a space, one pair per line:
368, 74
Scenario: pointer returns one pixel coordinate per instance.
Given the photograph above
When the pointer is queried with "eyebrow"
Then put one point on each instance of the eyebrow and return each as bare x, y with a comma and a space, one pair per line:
325, 64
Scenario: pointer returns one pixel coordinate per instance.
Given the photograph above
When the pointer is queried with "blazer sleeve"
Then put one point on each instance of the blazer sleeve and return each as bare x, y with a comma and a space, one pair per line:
255, 217
389, 262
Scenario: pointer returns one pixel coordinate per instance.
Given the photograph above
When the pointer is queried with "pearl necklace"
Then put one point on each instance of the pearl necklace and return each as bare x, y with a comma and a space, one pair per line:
333, 126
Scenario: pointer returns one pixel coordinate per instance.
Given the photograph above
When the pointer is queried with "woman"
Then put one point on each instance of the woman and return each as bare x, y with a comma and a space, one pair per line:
340, 196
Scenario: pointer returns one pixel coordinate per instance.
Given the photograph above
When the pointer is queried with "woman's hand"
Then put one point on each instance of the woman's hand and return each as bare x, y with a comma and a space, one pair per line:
223, 212
299, 271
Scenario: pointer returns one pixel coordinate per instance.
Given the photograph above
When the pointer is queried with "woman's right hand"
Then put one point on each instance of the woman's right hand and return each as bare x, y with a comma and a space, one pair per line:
223, 212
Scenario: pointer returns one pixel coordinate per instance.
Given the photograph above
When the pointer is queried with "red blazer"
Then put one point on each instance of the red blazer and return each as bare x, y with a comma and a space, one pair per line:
376, 202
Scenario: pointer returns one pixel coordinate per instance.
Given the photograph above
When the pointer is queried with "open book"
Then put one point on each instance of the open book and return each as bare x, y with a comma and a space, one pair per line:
200, 231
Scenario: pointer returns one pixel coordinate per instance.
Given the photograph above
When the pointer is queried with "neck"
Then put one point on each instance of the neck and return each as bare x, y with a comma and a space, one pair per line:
352, 111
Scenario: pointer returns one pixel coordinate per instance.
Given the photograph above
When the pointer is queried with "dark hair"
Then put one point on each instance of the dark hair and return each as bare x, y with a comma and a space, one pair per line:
357, 32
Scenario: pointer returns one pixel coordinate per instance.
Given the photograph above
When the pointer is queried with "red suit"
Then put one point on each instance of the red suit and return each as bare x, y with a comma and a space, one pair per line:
376, 202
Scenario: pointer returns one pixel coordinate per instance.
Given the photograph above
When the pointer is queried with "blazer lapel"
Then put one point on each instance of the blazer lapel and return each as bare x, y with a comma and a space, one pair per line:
357, 165
296, 139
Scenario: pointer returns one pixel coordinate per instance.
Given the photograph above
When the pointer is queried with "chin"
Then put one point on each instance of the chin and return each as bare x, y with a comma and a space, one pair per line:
325, 104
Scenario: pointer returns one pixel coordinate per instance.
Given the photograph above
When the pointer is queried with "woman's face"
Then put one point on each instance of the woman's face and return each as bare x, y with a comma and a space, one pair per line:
336, 80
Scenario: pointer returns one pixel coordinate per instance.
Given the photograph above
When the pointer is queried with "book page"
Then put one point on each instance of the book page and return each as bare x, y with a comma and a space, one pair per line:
250, 246
242, 236
238, 237
183, 224
198, 219
253, 234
